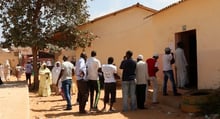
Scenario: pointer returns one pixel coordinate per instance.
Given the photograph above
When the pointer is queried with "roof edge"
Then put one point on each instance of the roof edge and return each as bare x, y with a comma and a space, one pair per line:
165, 8
121, 10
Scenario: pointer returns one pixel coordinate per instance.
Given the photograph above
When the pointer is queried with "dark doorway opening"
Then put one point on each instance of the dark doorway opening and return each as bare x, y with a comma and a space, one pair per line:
190, 49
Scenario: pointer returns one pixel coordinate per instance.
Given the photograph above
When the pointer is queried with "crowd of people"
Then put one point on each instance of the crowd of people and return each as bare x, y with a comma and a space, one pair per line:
136, 77
5, 72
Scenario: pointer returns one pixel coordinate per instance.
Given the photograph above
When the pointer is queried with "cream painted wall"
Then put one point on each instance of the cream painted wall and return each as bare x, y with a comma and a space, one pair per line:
202, 15
128, 30
120, 32
9, 56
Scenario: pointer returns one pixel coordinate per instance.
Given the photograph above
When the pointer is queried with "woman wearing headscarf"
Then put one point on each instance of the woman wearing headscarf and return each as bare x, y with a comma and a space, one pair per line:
45, 81
7, 70
55, 74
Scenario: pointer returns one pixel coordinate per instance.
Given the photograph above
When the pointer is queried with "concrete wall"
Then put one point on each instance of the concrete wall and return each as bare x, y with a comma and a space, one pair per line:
13, 59
118, 33
204, 17
128, 30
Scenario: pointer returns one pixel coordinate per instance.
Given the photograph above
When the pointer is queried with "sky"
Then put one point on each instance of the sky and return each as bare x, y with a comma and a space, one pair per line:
99, 8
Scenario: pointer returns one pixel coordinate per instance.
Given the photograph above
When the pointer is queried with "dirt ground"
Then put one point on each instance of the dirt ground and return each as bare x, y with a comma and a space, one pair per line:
52, 107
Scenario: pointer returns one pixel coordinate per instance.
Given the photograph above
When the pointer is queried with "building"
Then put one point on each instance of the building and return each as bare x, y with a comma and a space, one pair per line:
146, 31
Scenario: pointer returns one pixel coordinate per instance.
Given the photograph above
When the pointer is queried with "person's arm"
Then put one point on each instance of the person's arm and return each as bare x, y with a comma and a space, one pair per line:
73, 71
60, 75
172, 61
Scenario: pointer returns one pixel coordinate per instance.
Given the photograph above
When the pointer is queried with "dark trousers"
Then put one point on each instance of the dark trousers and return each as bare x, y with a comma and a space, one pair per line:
140, 94
94, 85
28, 78
110, 89
1, 82
83, 94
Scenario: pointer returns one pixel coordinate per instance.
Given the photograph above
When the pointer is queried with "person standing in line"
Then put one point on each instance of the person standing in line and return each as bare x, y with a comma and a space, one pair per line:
82, 83
128, 65
7, 70
1, 82
18, 71
28, 72
152, 65
67, 71
93, 67
110, 72
181, 66
45, 81
141, 81
168, 60
2, 74
55, 74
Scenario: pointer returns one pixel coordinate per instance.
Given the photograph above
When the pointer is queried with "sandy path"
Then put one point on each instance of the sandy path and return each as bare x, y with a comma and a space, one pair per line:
52, 108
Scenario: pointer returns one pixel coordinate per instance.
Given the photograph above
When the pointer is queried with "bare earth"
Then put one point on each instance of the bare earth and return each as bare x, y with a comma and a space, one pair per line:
52, 108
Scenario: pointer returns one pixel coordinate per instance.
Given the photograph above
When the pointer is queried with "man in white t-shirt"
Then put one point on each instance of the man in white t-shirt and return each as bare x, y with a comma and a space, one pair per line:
168, 60
67, 71
109, 71
93, 66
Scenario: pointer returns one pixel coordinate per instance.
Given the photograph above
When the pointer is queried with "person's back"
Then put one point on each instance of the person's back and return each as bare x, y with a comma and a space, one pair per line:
151, 66
68, 68
28, 68
141, 73
93, 65
108, 71
129, 66
166, 62
180, 58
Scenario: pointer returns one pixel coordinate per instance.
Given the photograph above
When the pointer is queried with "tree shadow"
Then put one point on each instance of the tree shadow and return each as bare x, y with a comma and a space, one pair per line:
14, 84
53, 108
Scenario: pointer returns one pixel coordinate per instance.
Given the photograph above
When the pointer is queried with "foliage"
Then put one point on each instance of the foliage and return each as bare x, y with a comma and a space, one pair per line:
32, 22
36, 23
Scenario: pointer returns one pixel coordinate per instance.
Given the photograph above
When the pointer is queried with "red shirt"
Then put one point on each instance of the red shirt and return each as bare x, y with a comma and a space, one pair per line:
152, 66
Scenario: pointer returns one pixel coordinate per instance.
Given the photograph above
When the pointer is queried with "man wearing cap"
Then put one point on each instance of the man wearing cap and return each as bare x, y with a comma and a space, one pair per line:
168, 60
141, 81
152, 65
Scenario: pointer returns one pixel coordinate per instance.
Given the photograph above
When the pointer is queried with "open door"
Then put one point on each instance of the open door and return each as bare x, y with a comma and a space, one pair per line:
190, 49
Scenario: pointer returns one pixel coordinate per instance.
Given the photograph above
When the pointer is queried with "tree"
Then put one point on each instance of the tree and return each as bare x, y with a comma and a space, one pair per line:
42, 23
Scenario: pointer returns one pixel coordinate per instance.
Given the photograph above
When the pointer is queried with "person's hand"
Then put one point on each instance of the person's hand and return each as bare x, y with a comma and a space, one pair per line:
81, 74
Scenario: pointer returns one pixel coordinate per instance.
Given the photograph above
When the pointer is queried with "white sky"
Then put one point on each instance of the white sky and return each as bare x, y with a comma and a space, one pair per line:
99, 8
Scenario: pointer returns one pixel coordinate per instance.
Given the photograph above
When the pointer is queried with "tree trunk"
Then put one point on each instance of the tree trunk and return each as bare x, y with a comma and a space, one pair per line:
35, 67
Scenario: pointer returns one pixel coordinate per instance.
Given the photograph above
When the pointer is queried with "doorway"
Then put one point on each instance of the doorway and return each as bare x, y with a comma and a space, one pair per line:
190, 50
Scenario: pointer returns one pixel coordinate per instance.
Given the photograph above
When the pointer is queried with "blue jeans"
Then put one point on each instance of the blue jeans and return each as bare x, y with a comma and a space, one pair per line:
169, 74
66, 86
128, 90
